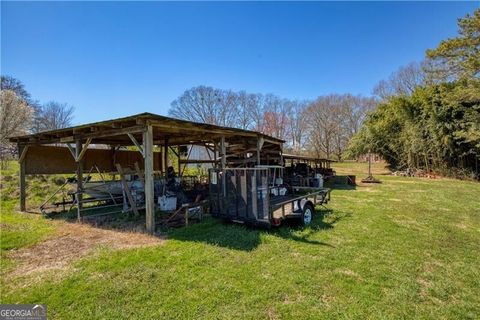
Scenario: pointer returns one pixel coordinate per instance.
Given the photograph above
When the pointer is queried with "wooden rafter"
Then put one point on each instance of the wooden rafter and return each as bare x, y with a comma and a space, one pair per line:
138, 145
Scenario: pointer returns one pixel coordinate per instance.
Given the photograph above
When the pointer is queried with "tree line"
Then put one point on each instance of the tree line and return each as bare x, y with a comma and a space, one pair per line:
323, 126
425, 116
429, 114
20, 114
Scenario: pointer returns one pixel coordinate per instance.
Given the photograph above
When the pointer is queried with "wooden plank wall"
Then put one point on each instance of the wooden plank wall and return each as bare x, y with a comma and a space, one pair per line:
59, 160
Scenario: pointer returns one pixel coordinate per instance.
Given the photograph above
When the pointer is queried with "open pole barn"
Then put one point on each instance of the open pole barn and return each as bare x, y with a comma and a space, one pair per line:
150, 137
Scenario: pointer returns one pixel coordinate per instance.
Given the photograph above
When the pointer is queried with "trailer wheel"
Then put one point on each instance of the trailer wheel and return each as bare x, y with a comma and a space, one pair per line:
307, 214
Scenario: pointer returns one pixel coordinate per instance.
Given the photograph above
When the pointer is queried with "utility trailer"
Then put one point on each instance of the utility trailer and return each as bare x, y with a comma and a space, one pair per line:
259, 197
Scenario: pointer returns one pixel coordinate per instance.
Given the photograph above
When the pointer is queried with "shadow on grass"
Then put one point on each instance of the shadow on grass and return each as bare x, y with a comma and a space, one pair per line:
341, 182
242, 237
344, 187
103, 218
219, 233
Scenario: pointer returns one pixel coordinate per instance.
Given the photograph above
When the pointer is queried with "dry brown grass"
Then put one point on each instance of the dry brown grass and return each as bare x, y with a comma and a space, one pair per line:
72, 242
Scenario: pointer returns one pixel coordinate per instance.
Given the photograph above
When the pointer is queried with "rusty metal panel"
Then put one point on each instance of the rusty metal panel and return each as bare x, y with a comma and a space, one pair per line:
59, 160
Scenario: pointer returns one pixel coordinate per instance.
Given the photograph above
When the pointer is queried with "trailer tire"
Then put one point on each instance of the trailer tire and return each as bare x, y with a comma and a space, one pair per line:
307, 214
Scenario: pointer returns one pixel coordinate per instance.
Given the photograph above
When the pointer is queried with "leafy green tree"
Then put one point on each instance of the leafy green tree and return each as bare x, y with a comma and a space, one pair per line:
437, 125
459, 57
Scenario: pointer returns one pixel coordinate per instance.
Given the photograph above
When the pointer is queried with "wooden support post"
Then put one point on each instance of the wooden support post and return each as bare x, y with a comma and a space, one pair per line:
84, 150
79, 163
215, 164
260, 143
149, 187
223, 153
258, 155
178, 161
23, 184
165, 155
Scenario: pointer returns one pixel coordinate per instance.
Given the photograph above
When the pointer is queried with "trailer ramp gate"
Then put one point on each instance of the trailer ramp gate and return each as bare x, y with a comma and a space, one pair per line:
240, 195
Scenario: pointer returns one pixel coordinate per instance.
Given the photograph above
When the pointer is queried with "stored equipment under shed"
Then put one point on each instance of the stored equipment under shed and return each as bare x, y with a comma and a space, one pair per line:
102, 144
245, 181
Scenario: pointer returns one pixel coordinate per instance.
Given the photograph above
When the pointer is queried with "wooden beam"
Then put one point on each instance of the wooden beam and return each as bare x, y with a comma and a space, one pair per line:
72, 151
173, 150
111, 132
65, 139
78, 150
208, 152
22, 180
223, 153
223, 164
188, 157
259, 148
127, 189
215, 153
94, 135
271, 141
138, 145
165, 155
23, 154
149, 187
196, 161
84, 149
260, 142
187, 127
179, 158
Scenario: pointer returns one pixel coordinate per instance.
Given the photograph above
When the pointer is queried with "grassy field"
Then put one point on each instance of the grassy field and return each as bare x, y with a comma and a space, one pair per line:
405, 248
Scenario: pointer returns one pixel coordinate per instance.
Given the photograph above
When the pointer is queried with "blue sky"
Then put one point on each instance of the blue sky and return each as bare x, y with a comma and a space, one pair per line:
111, 59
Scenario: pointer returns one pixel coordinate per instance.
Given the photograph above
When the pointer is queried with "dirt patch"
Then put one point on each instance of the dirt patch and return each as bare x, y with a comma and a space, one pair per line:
74, 241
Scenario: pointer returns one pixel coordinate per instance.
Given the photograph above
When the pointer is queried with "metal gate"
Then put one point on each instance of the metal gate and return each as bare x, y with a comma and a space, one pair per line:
240, 194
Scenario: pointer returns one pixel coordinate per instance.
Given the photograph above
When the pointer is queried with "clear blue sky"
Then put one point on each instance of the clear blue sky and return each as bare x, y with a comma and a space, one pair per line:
114, 59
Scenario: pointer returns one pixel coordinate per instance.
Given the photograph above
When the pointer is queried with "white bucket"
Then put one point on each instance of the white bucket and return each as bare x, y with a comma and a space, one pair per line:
319, 180
279, 191
167, 203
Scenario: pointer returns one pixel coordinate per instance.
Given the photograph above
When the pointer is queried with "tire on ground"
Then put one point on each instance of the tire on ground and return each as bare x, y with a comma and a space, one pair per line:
307, 214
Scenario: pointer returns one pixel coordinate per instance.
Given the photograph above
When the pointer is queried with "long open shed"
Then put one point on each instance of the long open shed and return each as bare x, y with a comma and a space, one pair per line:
318, 162
72, 149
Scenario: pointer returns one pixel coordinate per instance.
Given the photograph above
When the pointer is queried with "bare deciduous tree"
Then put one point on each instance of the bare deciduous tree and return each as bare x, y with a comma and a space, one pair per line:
53, 115
321, 126
298, 125
15, 85
256, 111
276, 112
326, 125
401, 82
205, 104
333, 120
246, 104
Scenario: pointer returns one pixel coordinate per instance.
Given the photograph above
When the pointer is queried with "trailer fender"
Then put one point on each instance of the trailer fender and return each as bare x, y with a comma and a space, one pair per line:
304, 202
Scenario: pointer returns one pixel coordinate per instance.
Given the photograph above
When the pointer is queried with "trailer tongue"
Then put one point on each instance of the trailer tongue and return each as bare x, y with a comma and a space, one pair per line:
258, 196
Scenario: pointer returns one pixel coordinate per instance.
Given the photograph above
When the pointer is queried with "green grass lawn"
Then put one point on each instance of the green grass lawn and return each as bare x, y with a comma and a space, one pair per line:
405, 248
